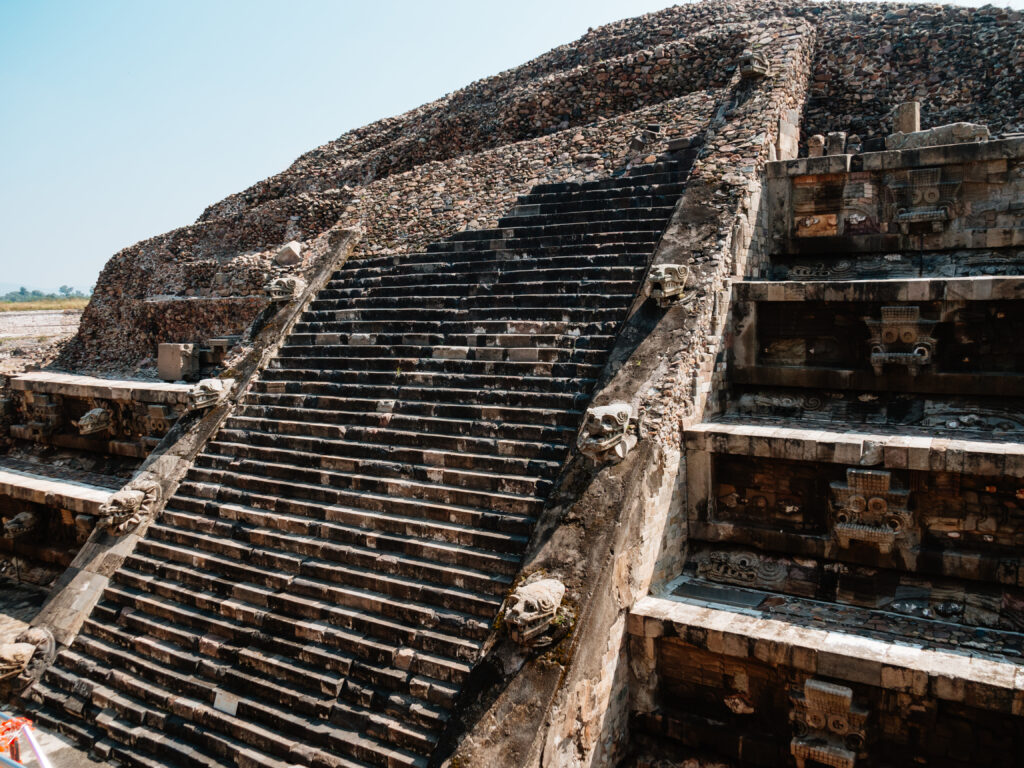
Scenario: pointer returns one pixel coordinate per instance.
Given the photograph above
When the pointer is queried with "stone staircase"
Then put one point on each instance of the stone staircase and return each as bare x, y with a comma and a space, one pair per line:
852, 592
327, 573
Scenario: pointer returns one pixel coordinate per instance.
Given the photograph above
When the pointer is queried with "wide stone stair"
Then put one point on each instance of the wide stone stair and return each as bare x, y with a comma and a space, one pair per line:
327, 573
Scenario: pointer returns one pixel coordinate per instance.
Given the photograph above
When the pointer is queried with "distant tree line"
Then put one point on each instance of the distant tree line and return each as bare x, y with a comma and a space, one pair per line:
65, 292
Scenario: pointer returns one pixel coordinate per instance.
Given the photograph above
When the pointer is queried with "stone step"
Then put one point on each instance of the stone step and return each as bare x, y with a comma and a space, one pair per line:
628, 240
575, 256
523, 216
135, 697
487, 490
130, 742
331, 345
617, 201
510, 274
362, 427
445, 586
356, 656
631, 181
322, 672
457, 287
548, 348
450, 624
461, 566
313, 451
525, 229
331, 359
439, 521
440, 655
264, 391
461, 298
323, 418
258, 678
482, 329
447, 544
432, 379
553, 313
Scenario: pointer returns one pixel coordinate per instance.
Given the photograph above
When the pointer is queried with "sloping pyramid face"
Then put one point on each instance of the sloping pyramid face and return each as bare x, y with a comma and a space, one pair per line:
319, 588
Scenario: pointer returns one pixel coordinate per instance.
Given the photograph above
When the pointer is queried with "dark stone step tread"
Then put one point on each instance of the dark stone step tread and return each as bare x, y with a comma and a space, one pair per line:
413, 366
259, 682
266, 389
563, 342
357, 657
334, 348
247, 472
254, 724
506, 531
439, 533
428, 262
496, 276
397, 599
439, 656
434, 379
314, 563
412, 549
174, 742
314, 451
379, 431
322, 396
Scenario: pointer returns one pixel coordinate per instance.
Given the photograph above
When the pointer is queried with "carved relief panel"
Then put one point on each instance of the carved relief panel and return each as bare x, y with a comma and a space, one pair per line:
829, 728
922, 199
866, 508
901, 337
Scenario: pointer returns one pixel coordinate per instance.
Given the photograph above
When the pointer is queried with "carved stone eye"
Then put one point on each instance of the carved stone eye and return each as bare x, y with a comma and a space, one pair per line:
931, 196
816, 720
908, 335
890, 335
838, 724
858, 503
877, 505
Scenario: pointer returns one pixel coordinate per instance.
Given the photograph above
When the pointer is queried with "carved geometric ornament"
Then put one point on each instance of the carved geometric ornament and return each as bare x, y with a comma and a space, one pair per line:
901, 337
866, 508
829, 729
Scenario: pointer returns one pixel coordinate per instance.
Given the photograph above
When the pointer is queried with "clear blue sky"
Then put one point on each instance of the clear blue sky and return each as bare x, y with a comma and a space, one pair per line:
123, 119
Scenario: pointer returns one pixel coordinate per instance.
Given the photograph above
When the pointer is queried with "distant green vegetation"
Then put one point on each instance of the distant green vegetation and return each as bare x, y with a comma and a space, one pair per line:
23, 295
32, 304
